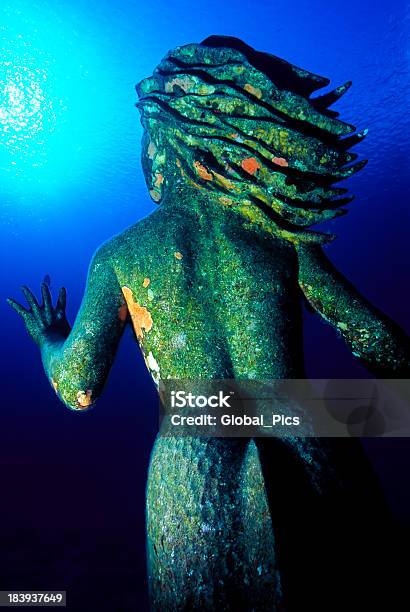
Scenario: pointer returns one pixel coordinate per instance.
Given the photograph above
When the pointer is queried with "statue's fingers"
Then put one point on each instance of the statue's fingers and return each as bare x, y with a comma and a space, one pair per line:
32, 302
61, 301
48, 307
18, 308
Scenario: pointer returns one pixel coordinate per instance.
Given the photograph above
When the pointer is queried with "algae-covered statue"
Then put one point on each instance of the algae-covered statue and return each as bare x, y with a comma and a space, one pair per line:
242, 160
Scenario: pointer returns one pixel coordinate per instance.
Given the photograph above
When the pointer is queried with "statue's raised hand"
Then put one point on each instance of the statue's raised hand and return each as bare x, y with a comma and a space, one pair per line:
44, 322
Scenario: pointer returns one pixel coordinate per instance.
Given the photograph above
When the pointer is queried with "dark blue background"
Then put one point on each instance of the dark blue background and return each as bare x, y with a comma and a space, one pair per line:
72, 485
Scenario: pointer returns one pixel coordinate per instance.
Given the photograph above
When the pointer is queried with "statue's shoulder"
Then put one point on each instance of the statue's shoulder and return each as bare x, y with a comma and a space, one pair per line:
130, 244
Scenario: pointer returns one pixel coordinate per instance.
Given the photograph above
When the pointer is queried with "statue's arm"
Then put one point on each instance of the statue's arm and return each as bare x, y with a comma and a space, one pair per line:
77, 361
376, 340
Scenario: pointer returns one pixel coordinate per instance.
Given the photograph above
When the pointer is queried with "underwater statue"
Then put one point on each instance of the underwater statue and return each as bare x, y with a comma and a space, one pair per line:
242, 160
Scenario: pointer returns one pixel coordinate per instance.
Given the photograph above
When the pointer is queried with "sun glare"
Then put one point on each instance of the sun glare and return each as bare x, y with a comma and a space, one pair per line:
26, 113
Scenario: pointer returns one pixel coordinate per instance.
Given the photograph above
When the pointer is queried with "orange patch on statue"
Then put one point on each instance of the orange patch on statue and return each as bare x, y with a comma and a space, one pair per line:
250, 165
255, 91
146, 282
280, 161
54, 384
122, 312
84, 398
202, 171
140, 317
159, 179
178, 255
155, 195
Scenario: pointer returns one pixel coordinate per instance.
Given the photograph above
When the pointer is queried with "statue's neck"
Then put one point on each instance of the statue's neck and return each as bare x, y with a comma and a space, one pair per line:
193, 200
202, 207
196, 207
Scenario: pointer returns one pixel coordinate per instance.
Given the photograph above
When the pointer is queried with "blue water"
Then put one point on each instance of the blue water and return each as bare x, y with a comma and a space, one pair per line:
73, 484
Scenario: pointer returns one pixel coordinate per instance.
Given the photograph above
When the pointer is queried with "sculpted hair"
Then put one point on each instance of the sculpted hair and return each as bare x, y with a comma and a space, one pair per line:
243, 125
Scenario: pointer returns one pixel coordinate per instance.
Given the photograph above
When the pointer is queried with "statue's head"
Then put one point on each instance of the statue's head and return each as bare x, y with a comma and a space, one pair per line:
223, 118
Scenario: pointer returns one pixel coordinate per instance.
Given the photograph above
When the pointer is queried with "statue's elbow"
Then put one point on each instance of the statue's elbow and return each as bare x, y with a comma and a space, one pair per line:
79, 400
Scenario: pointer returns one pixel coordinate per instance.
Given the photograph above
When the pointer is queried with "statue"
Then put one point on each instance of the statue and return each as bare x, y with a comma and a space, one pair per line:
242, 161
